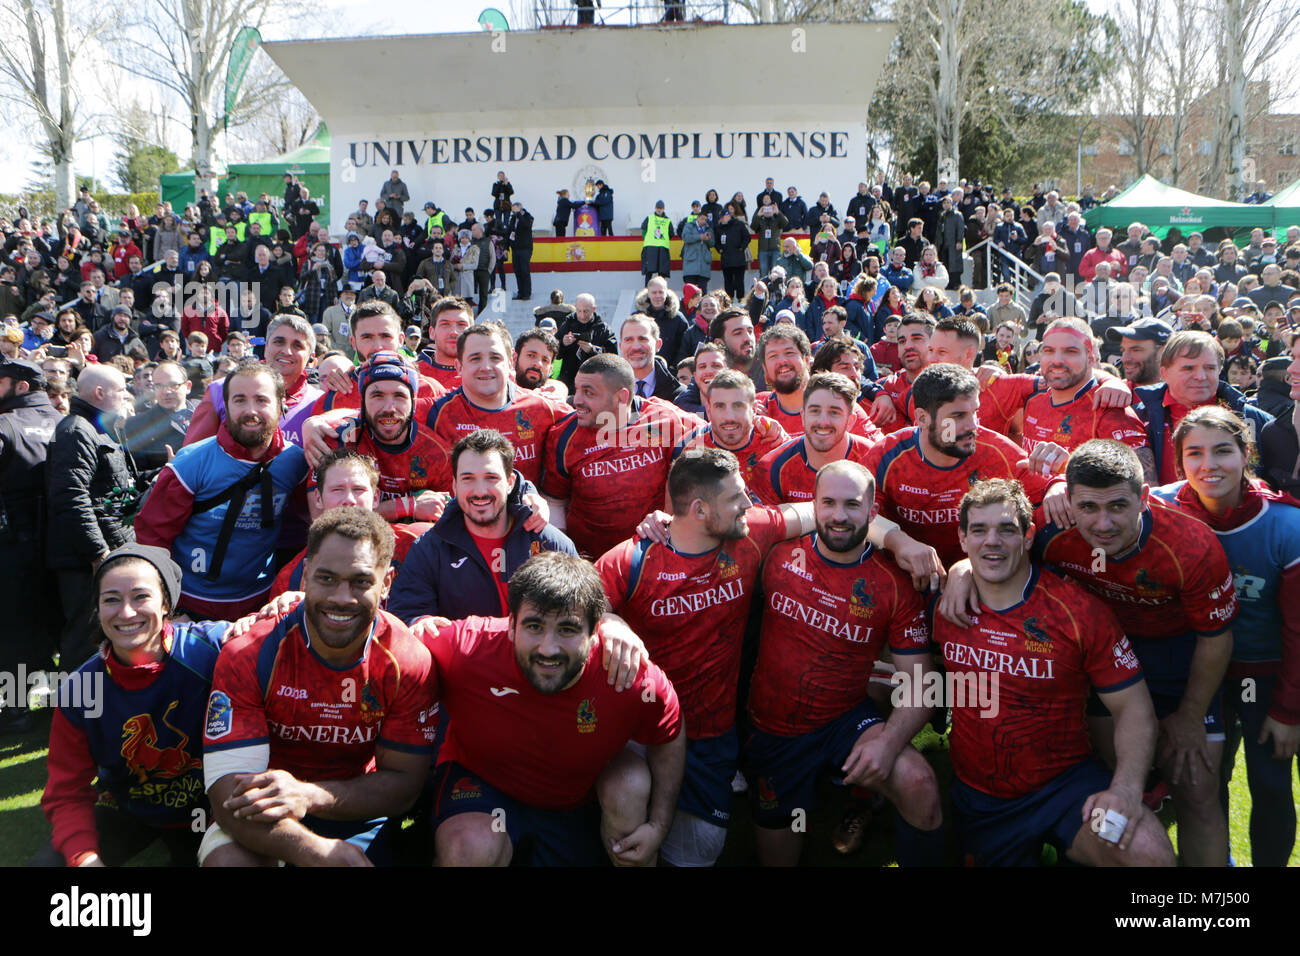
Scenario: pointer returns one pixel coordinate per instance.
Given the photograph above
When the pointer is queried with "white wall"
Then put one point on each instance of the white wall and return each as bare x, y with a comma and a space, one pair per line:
676, 164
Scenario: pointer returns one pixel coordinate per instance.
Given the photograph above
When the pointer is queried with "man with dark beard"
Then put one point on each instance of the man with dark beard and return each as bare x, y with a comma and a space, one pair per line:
535, 352
691, 598
219, 505
922, 472
734, 329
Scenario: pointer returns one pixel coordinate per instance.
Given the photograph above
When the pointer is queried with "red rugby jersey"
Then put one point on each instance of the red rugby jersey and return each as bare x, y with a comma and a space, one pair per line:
898, 387
1074, 422
1177, 580
690, 610
784, 474
824, 625
768, 405
611, 487
544, 750
1032, 666
1004, 398
525, 420
448, 376
766, 435
420, 463
924, 498
321, 723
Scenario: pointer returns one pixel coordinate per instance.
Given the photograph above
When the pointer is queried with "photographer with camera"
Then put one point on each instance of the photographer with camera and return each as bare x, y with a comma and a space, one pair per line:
581, 336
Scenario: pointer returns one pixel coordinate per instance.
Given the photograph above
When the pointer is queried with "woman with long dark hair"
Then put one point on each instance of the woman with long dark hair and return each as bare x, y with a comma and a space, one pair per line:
1260, 531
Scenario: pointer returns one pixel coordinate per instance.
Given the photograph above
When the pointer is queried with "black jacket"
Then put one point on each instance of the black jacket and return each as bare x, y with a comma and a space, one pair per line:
1274, 398
445, 575
731, 241
521, 230
26, 428
1279, 455
147, 434
85, 464
596, 332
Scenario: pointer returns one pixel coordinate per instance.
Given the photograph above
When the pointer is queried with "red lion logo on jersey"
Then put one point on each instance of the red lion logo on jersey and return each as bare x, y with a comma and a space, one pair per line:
371, 708
523, 427
144, 758
586, 716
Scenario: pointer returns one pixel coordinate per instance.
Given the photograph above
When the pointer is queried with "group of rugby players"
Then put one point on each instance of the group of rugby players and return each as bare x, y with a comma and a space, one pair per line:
763, 613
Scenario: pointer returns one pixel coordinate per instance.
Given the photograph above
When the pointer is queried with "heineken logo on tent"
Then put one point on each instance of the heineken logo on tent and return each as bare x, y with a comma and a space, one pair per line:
1186, 218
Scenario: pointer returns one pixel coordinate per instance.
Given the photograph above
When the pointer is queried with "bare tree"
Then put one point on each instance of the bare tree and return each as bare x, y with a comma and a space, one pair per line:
282, 125
184, 46
1255, 33
1183, 84
1131, 92
38, 65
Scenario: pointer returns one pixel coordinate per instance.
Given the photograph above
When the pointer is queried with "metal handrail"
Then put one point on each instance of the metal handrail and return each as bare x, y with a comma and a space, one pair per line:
1025, 281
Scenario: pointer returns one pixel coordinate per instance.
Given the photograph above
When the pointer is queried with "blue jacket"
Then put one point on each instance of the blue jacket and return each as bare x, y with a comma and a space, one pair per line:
898, 277
444, 573
1149, 403
190, 258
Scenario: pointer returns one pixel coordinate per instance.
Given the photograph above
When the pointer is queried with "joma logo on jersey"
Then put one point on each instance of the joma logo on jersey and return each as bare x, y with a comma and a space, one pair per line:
789, 566
587, 716
293, 693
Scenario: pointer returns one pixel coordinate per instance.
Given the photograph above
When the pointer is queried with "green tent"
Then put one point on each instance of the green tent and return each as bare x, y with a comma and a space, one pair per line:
1286, 208
1160, 208
310, 163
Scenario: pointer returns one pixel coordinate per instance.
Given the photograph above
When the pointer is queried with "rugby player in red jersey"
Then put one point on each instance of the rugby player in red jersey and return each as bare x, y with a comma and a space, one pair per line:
412, 461
832, 603
537, 744
487, 398
787, 358
1064, 411
729, 402
1025, 770
788, 472
691, 596
891, 408
449, 317
921, 473
375, 327
1165, 576
317, 732
607, 462
344, 478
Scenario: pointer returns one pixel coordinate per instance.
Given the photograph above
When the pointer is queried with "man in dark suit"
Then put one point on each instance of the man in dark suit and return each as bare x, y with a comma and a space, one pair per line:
639, 343
520, 238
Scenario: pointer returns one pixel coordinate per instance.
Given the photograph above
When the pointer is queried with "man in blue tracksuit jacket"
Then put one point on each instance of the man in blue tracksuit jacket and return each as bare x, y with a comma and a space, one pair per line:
445, 573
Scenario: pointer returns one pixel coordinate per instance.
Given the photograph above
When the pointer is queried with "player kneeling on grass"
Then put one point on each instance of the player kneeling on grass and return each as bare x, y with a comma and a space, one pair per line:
538, 759
319, 733
832, 603
135, 721
1026, 773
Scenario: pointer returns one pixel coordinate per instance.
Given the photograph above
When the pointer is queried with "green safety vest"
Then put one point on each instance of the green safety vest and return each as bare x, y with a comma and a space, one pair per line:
657, 230
264, 218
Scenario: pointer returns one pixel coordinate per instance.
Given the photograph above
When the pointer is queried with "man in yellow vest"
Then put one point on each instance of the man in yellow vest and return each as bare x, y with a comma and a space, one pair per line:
262, 215
656, 231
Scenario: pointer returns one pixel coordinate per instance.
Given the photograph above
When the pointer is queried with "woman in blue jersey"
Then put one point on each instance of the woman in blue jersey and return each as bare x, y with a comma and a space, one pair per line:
130, 720
1260, 531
